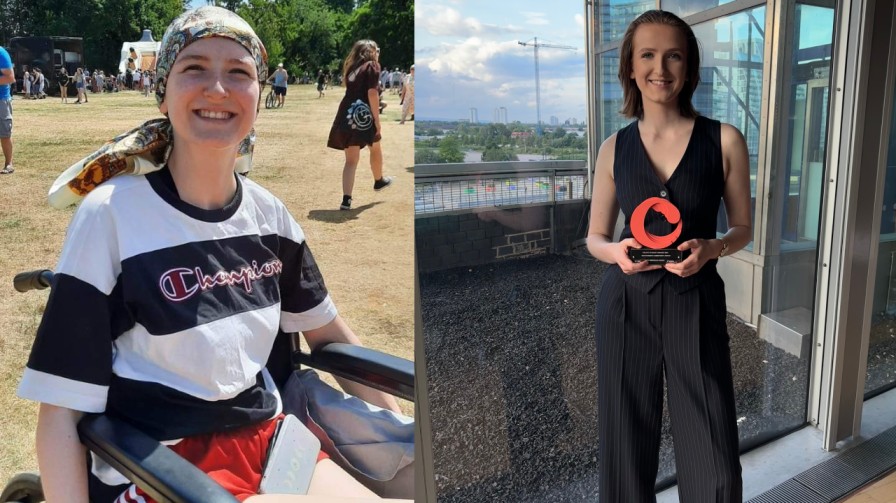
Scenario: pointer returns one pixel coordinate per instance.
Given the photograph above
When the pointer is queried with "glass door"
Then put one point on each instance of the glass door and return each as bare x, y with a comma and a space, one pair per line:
881, 371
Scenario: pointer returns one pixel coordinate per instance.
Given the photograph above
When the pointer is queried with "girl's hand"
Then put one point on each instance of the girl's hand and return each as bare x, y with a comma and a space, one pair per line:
702, 250
620, 255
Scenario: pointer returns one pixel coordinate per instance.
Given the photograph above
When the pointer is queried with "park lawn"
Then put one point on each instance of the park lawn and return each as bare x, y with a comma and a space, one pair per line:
366, 255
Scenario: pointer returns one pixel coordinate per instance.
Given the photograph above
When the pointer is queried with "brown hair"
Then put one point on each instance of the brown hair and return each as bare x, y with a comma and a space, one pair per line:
363, 51
632, 105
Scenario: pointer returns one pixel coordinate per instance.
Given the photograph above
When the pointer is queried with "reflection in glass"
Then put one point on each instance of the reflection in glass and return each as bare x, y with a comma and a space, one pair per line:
731, 78
807, 128
791, 256
682, 8
615, 16
881, 374
610, 95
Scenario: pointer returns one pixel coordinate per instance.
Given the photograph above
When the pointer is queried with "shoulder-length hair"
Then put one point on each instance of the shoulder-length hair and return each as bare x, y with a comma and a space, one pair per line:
362, 51
633, 105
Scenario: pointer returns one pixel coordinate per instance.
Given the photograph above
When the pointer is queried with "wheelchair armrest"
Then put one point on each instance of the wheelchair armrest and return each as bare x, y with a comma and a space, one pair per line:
370, 367
155, 468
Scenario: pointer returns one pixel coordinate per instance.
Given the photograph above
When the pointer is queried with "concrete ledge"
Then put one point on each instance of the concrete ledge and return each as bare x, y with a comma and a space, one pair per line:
790, 330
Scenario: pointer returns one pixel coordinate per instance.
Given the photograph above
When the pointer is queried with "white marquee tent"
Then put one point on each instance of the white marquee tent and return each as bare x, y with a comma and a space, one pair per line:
146, 49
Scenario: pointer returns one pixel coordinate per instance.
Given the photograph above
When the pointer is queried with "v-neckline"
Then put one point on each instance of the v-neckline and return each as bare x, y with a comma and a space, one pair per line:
684, 156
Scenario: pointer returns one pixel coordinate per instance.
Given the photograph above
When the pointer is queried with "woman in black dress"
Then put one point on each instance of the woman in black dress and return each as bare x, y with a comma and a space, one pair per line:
357, 122
667, 319
63, 79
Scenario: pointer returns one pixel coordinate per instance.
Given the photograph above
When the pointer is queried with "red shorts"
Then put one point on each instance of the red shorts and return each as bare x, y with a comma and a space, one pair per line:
233, 459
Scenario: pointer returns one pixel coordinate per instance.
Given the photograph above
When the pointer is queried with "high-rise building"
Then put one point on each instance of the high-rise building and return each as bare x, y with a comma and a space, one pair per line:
555, 121
474, 116
500, 116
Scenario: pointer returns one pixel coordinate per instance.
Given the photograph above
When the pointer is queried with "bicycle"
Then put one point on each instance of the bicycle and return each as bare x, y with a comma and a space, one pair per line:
271, 101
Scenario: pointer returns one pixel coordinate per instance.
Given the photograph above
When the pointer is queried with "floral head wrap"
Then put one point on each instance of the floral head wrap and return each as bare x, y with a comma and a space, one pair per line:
146, 148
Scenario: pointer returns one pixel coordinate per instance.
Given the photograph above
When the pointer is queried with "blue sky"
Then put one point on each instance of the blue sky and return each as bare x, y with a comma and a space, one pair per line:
467, 55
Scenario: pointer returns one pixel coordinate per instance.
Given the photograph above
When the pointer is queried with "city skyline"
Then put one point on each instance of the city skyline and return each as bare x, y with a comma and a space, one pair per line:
468, 55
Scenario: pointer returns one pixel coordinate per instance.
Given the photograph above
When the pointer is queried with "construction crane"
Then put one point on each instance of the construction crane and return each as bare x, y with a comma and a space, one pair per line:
535, 45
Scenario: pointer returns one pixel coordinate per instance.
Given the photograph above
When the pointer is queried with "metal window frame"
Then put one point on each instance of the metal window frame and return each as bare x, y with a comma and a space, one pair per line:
865, 30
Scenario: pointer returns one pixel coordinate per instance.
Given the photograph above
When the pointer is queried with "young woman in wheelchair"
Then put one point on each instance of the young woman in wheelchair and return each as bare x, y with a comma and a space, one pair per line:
174, 279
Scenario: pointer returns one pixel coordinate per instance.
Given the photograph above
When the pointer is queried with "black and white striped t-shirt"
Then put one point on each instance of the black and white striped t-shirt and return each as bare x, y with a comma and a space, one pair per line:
164, 314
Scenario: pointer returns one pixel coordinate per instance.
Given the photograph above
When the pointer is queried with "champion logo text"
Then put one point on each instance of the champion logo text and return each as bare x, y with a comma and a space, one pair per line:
181, 283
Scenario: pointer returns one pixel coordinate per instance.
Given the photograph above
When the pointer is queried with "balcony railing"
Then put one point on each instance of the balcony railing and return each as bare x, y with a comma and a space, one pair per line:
460, 187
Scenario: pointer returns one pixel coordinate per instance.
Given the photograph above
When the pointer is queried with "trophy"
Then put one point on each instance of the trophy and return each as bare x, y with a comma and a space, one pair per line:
655, 249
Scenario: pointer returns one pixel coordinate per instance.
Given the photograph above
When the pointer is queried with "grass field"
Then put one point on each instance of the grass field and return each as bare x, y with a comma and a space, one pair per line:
365, 255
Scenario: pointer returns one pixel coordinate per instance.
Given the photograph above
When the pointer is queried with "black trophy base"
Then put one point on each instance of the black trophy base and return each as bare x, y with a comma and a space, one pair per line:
656, 255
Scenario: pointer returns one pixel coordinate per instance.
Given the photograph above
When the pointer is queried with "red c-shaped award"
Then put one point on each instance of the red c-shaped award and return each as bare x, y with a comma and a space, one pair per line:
655, 249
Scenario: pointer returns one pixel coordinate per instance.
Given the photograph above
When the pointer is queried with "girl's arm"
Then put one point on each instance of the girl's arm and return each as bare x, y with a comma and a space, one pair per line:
338, 331
60, 455
373, 96
737, 189
736, 195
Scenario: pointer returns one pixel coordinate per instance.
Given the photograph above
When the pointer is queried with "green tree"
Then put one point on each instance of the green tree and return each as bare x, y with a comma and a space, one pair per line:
426, 156
103, 25
15, 16
302, 34
498, 154
449, 150
390, 23
343, 6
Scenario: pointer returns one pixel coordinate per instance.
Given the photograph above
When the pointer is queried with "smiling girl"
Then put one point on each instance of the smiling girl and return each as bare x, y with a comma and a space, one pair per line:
160, 341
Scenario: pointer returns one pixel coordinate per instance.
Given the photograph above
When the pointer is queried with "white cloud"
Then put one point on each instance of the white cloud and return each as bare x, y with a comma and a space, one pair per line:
468, 58
443, 21
439, 20
535, 18
580, 21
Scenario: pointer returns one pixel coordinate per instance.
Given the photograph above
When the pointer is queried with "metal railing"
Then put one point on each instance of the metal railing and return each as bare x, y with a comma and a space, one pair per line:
461, 187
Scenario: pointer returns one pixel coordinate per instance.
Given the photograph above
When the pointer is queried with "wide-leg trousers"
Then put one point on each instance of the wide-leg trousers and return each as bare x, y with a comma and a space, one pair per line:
640, 336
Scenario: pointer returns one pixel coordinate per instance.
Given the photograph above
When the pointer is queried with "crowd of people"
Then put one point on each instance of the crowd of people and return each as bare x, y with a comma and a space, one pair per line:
36, 84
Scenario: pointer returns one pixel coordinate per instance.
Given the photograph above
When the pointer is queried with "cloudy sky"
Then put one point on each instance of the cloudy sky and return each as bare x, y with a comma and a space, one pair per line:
467, 55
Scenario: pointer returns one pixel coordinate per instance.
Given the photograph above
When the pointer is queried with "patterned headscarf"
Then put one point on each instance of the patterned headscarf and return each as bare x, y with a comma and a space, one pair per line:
146, 148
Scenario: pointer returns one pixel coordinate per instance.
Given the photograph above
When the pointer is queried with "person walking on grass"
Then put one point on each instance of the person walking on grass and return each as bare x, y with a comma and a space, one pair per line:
357, 122
6, 79
62, 79
26, 84
321, 83
407, 96
79, 86
279, 79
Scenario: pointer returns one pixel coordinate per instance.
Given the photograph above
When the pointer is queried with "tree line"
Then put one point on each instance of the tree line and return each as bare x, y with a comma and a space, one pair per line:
305, 35
446, 142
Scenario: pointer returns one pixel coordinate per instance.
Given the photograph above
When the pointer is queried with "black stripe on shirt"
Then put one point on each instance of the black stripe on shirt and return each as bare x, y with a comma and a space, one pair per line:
181, 287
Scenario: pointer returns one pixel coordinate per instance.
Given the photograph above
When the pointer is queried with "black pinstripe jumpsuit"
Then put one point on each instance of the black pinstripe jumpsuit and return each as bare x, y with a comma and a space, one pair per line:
656, 321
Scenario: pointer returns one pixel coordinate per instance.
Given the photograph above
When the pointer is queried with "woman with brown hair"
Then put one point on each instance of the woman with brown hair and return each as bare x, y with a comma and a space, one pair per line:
80, 85
357, 122
655, 319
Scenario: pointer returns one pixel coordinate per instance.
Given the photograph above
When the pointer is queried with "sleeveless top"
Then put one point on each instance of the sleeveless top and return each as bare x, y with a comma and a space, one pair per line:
695, 188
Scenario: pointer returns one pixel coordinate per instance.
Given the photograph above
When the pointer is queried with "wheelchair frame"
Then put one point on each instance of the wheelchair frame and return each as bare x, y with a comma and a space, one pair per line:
166, 476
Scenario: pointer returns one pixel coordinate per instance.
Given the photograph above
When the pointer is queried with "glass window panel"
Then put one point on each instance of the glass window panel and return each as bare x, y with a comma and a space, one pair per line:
788, 295
615, 15
610, 95
809, 92
881, 374
731, 78
683, 8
